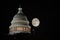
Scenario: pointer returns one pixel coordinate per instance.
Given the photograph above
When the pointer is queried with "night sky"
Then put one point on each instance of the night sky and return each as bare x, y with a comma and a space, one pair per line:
32, 9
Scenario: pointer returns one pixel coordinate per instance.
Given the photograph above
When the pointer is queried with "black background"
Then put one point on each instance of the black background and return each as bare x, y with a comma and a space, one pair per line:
43, 10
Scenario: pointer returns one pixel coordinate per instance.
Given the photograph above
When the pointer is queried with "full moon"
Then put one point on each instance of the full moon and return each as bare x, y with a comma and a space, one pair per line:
35, 22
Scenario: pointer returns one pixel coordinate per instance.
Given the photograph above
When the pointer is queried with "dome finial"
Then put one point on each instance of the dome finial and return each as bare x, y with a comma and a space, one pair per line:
19, 6
20, 9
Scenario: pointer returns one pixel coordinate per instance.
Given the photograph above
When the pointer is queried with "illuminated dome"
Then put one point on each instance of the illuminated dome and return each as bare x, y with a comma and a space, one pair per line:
19, 24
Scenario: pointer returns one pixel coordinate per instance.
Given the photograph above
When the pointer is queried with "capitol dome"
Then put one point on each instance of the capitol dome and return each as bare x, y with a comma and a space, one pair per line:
19, 24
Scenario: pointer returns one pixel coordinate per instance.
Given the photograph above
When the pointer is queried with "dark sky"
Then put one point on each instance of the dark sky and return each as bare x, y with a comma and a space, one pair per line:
32, 9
